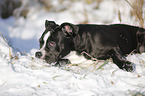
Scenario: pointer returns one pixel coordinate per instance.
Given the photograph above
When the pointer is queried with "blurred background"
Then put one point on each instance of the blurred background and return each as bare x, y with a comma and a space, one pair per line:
22, 21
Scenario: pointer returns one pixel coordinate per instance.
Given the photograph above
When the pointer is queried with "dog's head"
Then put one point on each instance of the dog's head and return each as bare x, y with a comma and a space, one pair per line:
55, 42
141, 40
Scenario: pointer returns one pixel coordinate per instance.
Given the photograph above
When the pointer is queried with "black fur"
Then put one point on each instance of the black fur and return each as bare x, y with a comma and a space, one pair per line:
99, 41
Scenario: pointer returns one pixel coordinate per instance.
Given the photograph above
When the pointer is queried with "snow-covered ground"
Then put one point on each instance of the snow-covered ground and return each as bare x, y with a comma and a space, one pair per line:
21, 74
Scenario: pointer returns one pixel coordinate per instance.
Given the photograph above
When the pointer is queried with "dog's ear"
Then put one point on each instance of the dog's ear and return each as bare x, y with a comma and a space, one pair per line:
69, 29
50, 24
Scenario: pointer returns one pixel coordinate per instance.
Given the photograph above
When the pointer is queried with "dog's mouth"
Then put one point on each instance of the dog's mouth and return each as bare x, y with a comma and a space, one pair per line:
48, 59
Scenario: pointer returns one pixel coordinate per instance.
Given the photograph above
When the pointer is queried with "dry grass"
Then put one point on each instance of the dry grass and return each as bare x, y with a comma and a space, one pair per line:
84, 67
10, 53
119, 15
137, 10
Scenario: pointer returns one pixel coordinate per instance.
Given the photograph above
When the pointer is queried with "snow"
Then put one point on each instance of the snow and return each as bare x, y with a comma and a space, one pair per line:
21, 74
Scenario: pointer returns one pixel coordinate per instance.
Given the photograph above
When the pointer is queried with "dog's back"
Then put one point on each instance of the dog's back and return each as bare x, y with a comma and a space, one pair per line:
121, 34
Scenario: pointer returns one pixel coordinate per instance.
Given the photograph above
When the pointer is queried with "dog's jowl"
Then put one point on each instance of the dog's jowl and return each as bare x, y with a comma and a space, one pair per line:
93, 41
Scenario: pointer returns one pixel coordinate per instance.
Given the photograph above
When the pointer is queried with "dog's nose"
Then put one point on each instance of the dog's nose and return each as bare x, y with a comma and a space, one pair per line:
38, 54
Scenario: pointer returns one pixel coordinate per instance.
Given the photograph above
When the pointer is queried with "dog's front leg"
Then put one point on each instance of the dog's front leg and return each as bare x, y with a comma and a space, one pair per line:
121, 61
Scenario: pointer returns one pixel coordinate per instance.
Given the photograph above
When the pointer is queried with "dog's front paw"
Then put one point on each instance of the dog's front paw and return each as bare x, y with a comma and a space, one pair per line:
128, 66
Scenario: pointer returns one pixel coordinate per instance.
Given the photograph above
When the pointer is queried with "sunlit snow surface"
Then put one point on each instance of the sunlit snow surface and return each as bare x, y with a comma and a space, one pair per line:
25, 75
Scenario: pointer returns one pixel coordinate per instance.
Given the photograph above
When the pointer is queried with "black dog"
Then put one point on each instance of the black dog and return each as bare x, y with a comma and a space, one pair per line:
93, 41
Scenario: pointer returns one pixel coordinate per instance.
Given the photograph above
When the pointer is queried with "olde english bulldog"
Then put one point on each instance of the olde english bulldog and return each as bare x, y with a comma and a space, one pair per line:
94, 41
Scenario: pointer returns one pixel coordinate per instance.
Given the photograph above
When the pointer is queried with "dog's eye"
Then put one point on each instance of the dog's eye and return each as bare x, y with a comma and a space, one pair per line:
52, 43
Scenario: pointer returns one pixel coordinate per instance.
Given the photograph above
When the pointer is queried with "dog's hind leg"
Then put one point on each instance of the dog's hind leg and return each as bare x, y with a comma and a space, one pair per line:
120, 60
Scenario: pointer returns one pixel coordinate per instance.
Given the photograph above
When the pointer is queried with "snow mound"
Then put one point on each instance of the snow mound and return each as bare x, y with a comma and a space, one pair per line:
21, 74
24, 75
